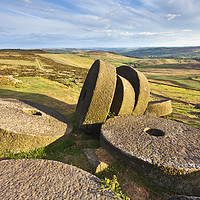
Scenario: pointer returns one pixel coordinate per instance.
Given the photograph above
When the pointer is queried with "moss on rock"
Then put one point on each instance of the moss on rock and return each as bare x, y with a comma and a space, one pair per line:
124, 98
140, 85
159, 108
96, 95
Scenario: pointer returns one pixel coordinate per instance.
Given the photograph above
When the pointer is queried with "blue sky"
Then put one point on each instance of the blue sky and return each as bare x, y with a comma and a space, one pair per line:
99, 23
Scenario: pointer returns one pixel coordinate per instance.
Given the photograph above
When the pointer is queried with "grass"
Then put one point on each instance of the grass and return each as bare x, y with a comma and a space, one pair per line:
18, 62
175, 93
184, 81
46, 92
70, 59
58, 86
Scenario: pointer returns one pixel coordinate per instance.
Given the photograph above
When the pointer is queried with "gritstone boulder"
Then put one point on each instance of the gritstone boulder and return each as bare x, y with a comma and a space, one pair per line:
26, 125
140, 85
96, 96
165, 151
159, 108
124, 98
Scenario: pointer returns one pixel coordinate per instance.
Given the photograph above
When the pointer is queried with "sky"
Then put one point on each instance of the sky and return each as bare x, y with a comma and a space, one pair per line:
31, 24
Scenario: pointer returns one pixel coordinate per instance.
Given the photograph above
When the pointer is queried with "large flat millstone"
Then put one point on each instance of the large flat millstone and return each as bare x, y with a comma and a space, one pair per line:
27, 125
140, 85
96, 95
47, 179
124, 98
165, 151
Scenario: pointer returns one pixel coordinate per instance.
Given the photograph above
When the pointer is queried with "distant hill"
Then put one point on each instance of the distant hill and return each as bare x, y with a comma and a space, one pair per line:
40, 51
162, 52
145, 52
148, 52
65, 50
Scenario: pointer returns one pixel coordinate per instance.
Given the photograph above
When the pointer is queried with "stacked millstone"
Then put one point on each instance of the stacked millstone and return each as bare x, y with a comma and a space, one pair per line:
47, 179
165, 151
96, 96
26, 125
140, 85
119, 91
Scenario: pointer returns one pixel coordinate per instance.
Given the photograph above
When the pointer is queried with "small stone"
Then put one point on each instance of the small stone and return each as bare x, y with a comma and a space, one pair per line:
96, 164
159, 108
197, 106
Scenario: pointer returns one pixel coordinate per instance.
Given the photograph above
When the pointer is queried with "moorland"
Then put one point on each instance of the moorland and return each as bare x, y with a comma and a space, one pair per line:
56, 79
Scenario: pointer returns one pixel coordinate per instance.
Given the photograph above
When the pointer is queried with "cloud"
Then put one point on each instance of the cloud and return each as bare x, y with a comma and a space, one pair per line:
22, 13
94, 22
172, 16
26, 1
148, 33
186, 30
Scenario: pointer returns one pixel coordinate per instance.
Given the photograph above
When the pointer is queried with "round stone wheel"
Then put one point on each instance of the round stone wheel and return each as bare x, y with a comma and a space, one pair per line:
140, 85
26, 125
182, 197
124, 98
47, 179
96, 95
165, 151
159, 108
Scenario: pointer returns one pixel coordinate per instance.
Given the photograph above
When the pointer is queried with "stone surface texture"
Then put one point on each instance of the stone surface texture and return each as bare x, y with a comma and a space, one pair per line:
140, 85
26, 125
124, 98
197, 106
159, 108
182, 197
96, 95
165, 151
47, 179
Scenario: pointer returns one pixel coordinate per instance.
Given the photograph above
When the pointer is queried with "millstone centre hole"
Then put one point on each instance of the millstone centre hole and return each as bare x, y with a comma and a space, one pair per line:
154, 132
33, 112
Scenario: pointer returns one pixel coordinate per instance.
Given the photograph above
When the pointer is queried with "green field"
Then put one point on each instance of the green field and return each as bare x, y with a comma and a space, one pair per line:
55, 80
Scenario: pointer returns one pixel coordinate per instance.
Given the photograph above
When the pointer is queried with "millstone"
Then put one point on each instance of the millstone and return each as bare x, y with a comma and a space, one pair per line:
165, 151
96, 95
26, 125
140, 85
159, 108
181, 197
124, 98
47, 179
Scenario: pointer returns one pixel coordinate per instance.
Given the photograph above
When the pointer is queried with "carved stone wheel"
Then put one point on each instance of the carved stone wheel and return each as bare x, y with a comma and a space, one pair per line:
47, 179
165, 151
26, 125
140, 85
96, 95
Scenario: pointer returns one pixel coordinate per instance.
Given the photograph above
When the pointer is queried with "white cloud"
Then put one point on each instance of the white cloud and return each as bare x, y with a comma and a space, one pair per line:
172, 16
22, 13
26, 1
148, 33
139, 22
186, 30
